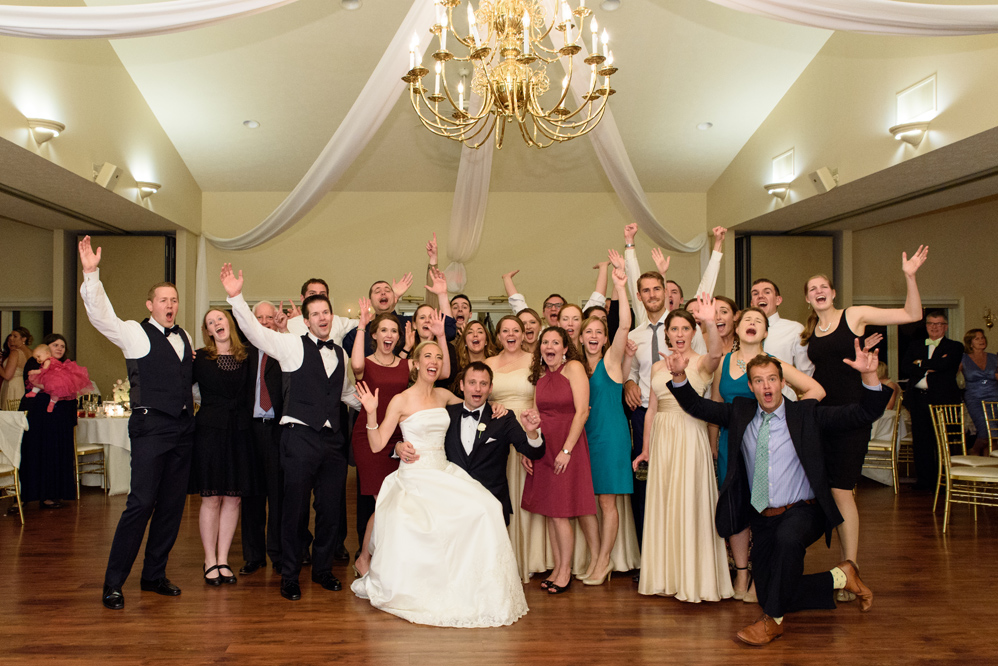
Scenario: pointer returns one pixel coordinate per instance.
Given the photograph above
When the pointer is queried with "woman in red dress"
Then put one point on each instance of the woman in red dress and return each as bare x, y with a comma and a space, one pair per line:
388, 373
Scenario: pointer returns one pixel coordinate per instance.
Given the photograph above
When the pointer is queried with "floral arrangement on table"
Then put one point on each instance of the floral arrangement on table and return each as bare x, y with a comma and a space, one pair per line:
121, 390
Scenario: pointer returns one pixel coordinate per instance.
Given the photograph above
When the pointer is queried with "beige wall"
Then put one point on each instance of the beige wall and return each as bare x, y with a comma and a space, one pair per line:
838, 112
26, 268
789, 261
961, 264
82, 84
128, 267
353, 239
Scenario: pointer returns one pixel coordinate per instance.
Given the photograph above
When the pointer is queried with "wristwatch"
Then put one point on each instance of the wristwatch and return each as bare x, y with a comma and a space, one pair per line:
566, 452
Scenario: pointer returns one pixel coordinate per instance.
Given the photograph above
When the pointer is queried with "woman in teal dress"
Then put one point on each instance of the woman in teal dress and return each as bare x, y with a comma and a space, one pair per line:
606, 429
751, 328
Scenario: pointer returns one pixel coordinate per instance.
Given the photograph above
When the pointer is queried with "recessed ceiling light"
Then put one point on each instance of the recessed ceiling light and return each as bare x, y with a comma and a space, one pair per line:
610, 5
350, 4
705, 126
251, 124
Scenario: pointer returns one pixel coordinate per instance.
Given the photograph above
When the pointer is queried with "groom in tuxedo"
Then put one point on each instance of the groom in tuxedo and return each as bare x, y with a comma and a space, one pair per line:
479, 443
778, 484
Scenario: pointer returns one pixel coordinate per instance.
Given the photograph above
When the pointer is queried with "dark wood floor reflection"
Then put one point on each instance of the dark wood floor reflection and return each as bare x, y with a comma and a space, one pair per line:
934, 603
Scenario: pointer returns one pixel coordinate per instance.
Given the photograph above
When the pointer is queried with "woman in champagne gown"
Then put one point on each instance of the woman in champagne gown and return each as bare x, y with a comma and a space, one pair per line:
440, 552
681, 553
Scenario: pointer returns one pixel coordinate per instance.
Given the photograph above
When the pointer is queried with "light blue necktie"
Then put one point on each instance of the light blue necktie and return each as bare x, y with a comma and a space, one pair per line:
760, 477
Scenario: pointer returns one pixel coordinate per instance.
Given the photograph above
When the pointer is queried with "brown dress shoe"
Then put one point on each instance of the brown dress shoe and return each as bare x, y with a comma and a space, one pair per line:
856, 586
764, 631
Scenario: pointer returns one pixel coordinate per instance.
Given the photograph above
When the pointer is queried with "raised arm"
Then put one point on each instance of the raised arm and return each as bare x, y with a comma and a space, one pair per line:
601, 267
378, 435
357, 353
715, 348
633, 273
615, 354
516, 300
128, 336
862, 315
438, 330
284, 348
431, 297
438, 286
693, 404
709, 278
801, 382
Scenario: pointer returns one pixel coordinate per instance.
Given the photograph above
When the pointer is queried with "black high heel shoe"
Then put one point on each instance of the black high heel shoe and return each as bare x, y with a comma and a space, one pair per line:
214, 582
554, 588
228, 580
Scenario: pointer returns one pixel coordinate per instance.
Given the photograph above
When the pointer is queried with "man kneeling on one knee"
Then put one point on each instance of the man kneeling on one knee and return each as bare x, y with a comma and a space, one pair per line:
778, 485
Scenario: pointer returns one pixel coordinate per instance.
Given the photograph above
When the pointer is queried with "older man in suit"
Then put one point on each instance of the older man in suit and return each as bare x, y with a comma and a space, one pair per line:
931, 371
478, 441
778, 485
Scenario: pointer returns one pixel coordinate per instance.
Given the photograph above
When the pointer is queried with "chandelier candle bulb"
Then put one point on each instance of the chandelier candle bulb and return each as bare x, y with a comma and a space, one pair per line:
605, 38
473, 26
443, 33
594, 28
526, 33
460, 96
436, 85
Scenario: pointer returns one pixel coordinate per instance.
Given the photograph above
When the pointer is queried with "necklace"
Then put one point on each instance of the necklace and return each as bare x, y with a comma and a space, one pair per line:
741, 364
824, 329
390, 364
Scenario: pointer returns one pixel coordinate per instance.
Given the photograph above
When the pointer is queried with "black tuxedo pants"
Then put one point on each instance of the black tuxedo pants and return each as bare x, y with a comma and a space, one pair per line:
311, 461
161, 469
261, 514
640, 487
778, 547
923, 438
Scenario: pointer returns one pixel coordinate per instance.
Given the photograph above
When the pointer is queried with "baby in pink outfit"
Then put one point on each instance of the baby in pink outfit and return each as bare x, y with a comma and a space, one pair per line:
60, 379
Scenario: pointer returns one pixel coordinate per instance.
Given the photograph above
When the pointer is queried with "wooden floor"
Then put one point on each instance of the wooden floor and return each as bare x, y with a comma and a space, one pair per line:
934, 603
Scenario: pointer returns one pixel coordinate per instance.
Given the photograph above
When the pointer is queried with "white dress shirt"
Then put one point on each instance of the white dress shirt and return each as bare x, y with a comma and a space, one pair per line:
783, 342
287, 350
258, 412
923, 383
707, 281
337, 331
128, 336
641, 365
519, 304
469, 430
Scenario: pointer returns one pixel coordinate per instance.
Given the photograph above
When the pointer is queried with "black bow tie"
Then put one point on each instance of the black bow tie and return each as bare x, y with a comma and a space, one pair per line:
474, 414
173, 329
328, 344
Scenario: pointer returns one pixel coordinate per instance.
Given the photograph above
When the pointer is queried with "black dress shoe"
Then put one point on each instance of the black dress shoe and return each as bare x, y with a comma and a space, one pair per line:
341, 555
328, 582
50, 504
290, 590
306, 559
229, 579
113, 598
250, 567
162, 586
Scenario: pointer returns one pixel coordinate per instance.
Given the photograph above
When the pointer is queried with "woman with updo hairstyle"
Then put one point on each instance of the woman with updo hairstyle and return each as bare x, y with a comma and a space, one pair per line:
980, 374
223, 467
15, 354
681, 554
388, 374
560, 485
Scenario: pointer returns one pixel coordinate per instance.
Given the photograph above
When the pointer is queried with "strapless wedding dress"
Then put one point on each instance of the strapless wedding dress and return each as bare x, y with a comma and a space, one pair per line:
440, 552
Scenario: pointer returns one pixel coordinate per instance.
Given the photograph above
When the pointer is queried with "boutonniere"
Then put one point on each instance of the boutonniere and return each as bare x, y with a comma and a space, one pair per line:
481, 427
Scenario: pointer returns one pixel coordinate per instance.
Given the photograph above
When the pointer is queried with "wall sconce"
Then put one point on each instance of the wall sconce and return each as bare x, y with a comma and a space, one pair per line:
778, 190
989, 318
912, 133
43, 130
147, 189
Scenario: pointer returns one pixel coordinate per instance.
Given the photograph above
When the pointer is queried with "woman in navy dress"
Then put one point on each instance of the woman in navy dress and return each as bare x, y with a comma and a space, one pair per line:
980, 374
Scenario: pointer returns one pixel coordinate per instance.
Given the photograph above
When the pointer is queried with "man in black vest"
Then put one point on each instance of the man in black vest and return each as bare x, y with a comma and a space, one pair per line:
478, 442
313, 439
159, 358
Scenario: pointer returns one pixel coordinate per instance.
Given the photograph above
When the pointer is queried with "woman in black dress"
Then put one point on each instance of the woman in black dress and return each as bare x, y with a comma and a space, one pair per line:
222, 467
48, 465
829, 334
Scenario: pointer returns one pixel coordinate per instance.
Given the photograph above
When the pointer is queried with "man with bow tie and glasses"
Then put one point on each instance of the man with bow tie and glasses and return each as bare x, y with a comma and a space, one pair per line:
931, 371
313, 438
479, 438
159, 357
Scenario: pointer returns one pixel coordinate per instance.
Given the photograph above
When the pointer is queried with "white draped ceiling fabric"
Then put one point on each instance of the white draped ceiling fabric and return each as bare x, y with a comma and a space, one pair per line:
120, 21
383, 90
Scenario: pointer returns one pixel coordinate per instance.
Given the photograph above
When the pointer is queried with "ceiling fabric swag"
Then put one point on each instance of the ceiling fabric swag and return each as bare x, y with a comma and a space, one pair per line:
877, 17
121, 21
471, 198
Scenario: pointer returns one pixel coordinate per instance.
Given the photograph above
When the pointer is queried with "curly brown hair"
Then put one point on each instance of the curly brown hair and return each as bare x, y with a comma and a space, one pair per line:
537, 365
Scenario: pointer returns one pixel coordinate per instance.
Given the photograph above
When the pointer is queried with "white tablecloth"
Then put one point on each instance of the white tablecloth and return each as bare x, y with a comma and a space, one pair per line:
113, 434
12, 427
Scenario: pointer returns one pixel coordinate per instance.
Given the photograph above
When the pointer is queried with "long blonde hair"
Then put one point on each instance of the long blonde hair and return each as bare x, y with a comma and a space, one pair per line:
236, 346
812, 316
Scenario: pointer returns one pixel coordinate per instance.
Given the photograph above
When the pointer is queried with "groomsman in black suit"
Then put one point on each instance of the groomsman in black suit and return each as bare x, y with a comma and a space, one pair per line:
778, 484
931, 371
261, 514
313, 436
479, 443
160, 360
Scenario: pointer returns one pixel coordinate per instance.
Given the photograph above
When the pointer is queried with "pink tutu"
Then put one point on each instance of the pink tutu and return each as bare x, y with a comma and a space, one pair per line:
62, 379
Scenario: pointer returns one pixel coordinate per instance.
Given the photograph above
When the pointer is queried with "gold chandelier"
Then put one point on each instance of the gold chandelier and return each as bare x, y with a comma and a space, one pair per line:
510, 73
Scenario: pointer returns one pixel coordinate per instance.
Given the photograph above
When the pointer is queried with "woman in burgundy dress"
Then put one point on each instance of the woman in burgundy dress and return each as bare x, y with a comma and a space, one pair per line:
389, 374
560, 485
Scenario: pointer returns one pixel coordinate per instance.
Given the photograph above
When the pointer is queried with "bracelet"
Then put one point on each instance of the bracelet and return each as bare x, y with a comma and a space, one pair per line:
566, 452
628, 245
370, 427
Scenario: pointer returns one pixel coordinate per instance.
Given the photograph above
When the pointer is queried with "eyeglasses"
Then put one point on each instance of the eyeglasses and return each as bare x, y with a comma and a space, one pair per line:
553, 306
935, 323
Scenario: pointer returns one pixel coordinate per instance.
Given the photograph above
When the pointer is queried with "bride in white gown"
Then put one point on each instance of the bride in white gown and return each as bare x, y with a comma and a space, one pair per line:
441, 554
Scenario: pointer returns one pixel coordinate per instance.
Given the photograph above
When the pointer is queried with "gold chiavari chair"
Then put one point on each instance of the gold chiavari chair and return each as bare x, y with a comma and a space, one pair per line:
976, 486
882, 453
